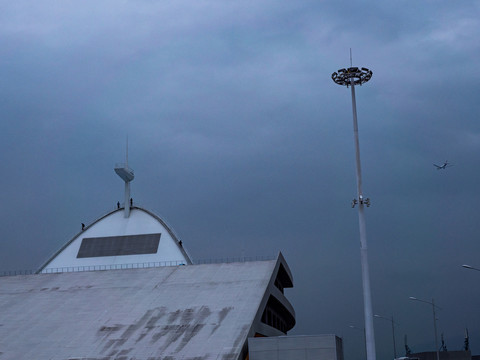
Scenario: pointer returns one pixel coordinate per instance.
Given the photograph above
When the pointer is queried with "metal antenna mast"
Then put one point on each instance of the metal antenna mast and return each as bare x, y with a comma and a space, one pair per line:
351, 77
127, 175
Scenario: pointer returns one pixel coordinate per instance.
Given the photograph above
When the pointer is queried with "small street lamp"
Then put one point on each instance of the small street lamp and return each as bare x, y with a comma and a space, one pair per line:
393, 333
364, 336
434, 320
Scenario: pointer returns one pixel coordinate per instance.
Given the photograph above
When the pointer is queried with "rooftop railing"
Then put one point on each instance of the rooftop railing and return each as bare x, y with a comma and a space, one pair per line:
136, 265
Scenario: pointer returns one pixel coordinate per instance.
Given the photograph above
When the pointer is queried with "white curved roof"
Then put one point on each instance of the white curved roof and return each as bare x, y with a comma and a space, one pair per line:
116, 241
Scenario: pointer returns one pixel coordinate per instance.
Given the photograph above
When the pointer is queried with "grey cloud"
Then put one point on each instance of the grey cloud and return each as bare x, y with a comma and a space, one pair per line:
240, 139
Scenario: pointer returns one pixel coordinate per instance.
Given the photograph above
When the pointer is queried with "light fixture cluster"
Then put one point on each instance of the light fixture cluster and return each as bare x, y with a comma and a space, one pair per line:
355, 74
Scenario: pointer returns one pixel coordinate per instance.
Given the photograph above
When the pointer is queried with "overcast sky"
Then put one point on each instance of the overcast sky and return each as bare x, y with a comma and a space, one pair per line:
241, 141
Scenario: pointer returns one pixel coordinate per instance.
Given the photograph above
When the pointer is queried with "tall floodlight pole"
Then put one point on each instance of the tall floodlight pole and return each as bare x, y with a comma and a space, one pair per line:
351, 77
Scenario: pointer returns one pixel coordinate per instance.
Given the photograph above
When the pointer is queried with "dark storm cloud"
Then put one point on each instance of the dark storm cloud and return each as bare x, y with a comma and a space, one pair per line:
242, 142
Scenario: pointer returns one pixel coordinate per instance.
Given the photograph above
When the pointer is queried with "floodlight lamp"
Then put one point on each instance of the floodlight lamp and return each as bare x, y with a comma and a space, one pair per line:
352, 76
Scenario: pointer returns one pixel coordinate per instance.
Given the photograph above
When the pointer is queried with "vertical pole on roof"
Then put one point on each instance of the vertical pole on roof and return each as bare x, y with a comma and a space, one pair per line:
127, 175
127, 185
127, 199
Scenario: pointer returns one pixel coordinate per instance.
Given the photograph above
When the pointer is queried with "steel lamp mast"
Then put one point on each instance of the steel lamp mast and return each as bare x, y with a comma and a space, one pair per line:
349, 78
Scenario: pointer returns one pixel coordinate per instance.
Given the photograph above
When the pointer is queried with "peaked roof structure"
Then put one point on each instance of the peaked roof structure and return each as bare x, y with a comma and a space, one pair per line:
129, 237
115, 241
164, 313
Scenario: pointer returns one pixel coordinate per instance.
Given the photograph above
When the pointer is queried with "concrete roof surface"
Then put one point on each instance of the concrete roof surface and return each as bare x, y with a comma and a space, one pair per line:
184, 312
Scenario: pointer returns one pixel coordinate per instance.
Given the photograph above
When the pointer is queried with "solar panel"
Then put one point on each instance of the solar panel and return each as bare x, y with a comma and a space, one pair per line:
119, 245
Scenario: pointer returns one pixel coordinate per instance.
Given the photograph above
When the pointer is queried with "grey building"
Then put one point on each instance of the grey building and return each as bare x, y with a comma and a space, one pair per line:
304, 347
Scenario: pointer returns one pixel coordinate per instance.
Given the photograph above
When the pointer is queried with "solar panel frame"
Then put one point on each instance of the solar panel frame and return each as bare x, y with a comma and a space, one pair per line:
121, 245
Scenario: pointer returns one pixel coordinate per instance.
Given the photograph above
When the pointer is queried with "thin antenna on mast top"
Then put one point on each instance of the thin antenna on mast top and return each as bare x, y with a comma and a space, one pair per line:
126, 156
351, 64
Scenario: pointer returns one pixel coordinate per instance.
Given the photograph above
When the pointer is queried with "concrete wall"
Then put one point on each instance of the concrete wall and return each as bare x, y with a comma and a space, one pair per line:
306, 347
